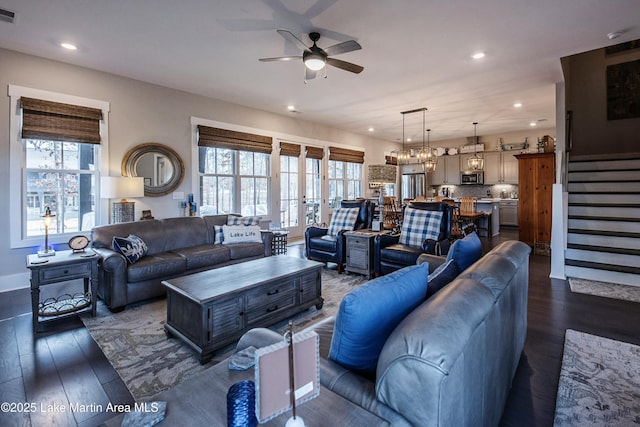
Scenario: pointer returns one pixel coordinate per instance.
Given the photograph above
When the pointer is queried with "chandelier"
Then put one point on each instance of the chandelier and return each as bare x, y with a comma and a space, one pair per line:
430, 160
403, 155
475, 163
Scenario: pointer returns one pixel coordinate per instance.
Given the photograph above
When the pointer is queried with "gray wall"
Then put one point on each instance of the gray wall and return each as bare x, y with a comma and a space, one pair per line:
140, 112
586, 95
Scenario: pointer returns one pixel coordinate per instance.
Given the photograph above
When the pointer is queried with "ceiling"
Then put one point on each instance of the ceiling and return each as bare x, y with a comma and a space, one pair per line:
415, 53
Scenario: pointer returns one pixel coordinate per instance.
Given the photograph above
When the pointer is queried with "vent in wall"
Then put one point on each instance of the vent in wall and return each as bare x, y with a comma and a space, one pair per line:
7, 16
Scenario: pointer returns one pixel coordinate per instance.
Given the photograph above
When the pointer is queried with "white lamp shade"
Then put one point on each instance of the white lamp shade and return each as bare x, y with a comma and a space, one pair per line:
121, 187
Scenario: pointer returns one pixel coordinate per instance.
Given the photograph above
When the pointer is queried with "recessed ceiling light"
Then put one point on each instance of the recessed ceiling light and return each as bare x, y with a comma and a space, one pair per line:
371, 129
478, 55
408, 139
291, 107
517, 104
614, 35
69, 46
533, 124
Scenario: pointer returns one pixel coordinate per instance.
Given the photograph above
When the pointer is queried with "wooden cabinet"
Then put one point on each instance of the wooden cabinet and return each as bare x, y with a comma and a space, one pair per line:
500, 167
536, 175
447, 171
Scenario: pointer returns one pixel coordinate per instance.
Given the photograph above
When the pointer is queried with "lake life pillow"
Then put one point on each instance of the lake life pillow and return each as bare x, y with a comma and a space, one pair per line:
241, 234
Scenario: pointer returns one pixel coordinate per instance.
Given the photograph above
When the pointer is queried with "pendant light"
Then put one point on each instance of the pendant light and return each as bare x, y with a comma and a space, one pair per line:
403, 155
475, 163
431, 160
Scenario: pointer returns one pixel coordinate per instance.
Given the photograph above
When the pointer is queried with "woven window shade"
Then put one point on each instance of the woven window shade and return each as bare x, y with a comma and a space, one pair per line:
59, 122
391, 160
315, 153
344, 155
289, 149
223, 138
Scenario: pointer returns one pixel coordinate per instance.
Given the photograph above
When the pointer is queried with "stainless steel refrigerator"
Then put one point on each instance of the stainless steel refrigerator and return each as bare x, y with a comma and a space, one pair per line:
413, 182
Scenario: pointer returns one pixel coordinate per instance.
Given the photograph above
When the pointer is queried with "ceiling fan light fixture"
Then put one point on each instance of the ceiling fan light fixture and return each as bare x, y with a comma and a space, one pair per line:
314, 61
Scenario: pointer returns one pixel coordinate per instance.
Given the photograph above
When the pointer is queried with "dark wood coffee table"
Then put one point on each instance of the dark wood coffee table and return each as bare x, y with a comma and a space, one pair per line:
211, 309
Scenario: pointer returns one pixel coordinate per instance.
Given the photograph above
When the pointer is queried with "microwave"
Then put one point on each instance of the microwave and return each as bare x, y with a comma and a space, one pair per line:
472, 177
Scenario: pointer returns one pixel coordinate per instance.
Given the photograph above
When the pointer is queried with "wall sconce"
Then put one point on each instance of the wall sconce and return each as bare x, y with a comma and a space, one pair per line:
121, 187
46, 219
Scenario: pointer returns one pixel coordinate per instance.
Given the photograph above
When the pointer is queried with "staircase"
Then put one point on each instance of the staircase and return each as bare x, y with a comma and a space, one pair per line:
603, 240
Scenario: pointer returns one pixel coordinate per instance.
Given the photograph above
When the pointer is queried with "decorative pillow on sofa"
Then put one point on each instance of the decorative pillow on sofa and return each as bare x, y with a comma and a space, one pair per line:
369, 314
441, 276
218, 234
419, 225
132, 247
243, 220
343, 219
241, 234
465, 251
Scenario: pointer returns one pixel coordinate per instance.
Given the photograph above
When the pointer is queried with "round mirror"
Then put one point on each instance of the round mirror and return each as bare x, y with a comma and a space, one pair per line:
161, 167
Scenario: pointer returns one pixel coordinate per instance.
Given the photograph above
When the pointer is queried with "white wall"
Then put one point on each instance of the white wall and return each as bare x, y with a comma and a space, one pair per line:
142, 112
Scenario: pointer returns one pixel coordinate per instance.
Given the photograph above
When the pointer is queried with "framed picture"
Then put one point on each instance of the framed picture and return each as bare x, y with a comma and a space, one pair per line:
147, 182
146, 215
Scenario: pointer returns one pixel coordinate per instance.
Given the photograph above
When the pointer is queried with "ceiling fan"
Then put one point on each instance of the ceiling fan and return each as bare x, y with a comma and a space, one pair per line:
315, 58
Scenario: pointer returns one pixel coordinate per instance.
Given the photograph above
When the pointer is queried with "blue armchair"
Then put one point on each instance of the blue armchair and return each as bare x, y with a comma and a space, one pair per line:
323, 247
390, 254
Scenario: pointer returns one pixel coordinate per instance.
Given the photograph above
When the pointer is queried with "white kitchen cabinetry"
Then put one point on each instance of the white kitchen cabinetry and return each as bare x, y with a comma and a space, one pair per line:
500, 167
448, 171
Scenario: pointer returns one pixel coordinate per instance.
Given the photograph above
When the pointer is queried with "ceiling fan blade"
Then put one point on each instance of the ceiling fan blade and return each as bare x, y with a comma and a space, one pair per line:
344, 47
344, 65
293, 39
280, 58
309, 74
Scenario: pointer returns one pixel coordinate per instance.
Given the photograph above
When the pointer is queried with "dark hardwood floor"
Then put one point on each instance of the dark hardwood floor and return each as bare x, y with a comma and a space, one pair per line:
64, 365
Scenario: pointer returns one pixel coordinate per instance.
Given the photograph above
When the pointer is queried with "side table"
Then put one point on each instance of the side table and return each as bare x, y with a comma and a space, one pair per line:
61, 267
279, 242
360, 251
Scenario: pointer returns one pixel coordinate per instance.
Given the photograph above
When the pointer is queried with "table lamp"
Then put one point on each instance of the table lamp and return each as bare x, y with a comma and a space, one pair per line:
46, 219
121, 187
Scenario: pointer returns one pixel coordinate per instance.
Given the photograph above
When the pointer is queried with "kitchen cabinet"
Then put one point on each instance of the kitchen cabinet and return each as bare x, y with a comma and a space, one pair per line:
447, 172
536, 175
500, 167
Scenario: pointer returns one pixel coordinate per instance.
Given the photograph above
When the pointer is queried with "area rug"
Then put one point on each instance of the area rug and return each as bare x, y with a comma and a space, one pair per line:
605, 289
135, 344
599, 382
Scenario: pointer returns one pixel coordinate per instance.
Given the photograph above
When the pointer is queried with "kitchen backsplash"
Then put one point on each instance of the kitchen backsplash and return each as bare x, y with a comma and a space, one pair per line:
494, 191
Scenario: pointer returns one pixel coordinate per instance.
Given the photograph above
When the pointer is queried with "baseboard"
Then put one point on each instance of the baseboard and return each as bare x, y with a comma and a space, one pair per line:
12, 282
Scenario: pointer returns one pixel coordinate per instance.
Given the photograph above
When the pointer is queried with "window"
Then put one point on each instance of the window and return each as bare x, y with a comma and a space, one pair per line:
234, 170
61, 176
289, 190
313, 193
223, 171
345, 182
56, 142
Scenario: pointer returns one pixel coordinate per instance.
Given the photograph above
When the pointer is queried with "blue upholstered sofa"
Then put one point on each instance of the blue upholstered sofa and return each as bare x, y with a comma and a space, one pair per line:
449, 361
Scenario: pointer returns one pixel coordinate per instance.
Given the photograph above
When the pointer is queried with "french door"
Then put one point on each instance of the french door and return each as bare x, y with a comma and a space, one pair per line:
300, 193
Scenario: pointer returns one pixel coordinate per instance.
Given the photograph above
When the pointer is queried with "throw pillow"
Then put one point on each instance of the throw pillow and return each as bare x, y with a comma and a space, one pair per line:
241, 234
218, 234
132, 247
419, 225
368, 314
465, 251
441, 277
343, 219
243, 220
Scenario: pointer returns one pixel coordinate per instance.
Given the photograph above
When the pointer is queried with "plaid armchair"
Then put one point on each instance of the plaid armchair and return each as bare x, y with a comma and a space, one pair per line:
426, 228
327, 244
